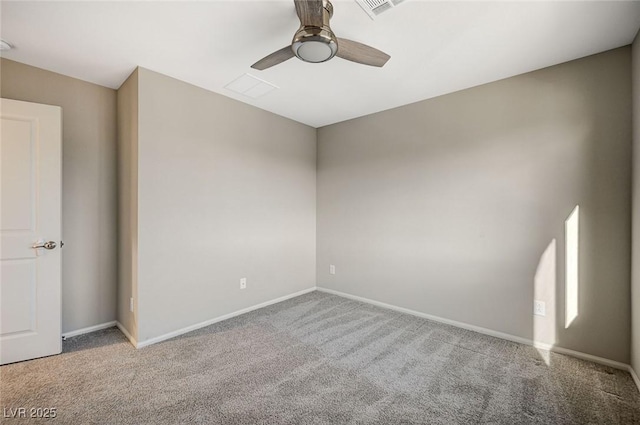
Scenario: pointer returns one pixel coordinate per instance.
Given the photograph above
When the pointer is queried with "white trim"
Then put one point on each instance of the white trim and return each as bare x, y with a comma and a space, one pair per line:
580, 355
126, 333
485, 331
178, 332
89, 329
635, 377
462, 325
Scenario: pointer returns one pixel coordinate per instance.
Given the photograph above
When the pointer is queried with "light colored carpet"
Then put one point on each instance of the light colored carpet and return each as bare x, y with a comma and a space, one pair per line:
318, 359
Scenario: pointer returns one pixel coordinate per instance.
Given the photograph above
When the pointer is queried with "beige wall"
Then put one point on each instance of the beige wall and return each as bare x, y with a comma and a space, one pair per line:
128, 202
225, 191
453, 206
635, 282
89, 262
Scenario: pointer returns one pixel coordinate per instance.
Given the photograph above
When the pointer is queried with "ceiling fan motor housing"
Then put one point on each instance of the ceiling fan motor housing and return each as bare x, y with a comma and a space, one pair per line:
316, 43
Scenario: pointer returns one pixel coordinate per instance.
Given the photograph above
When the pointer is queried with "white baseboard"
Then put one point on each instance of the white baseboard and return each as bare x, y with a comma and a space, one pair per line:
634, 375
580, 355
485, 331
187, 329
89, 329
126, 333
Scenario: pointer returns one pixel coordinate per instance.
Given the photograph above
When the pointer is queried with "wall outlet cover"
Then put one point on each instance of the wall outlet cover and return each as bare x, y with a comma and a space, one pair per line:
539, 308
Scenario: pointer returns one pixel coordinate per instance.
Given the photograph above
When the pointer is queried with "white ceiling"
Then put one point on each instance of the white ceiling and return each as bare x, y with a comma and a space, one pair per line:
435, 47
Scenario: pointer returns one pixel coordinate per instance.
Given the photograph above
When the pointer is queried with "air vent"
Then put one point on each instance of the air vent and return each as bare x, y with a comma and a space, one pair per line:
376, 7
250, 86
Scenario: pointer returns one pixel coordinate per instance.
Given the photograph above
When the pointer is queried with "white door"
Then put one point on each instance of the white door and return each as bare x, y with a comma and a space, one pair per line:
30, 216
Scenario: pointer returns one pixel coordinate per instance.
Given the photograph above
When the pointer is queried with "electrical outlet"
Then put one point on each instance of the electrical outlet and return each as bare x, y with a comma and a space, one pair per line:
243, 283
332, 269
539, 308
131, 304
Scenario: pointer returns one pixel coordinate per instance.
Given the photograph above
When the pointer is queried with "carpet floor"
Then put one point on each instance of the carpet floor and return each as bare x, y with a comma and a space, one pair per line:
318, 359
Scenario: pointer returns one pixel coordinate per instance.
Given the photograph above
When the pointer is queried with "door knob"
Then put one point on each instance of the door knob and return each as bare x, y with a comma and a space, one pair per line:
46, 245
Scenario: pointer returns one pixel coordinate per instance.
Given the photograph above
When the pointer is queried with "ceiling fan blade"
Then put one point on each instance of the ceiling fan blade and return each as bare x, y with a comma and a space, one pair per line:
361, 53
309, 12
274, 58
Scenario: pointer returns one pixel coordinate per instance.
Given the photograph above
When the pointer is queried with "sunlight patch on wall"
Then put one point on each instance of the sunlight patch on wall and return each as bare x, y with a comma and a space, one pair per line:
544, 290
571, 266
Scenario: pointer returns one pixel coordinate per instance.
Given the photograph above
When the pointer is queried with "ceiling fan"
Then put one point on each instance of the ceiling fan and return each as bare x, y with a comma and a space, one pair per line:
315, 41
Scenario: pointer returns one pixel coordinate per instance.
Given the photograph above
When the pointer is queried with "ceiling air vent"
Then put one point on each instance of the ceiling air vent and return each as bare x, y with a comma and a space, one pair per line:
376, 7
251, 86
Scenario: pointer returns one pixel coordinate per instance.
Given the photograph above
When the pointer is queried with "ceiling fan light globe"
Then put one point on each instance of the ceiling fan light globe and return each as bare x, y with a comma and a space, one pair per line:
314, 51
